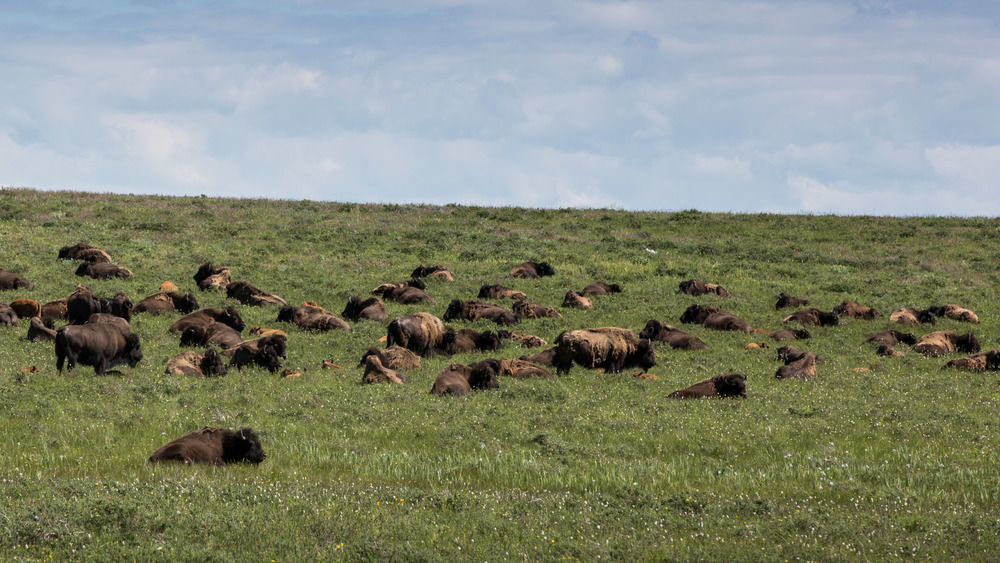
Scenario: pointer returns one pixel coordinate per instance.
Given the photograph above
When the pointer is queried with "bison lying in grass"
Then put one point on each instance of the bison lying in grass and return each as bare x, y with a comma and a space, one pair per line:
856, 311
248, 294
165, 302
799, 364
461, 379
375, 372
945, 342
10, 280
726, 385
197, 364
311, 316
394, 357
213, 445
785, 300
371, 308
983, 361
609, 348
676, 338
813, 317
698, 288
714, 318
212, 277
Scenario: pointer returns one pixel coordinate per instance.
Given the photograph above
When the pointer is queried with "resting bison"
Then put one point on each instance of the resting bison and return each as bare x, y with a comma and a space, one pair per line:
54, 310
811, 317
26, 308
983, 361
785, 300
522, 369
103, 271
909, 316
698, 288
381, 289
83, 303
85, 252
205, 364
789, 334
543, 358
714, 318
312, 317
525, 339
461, 379
219, 334
168, 286
890, 338
371, 308
212, 277
532, 270
420, 332
726, 385
166, 301
265, 352
437, 271
248, 294
954, 312
574, 299
407, 295
799, 364
7, 315
856, 311
944, 342
208, 315
39, 330
394, 357
497, 291
214, 445
676, 338
599, 288
375, 372
10, 280
610, 348
525, 309
102, 345
467, 340
474, 309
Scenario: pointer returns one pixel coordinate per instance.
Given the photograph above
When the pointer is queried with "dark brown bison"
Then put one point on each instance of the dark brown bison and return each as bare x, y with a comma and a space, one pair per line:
381, 289
714, 318
785, 300
890, 338
955, 312
468, 340
214, 445
813, 317
10, 280
497, 291
574, 299
103, 271
437, 271
407, 295
375, 372
945, 342
85, 252
676, 338
725, 385
609, 348
212, 277
39, 330
526, 309
532, 270
206, 316
420, 332
219, 334
799, 364
461, 379
543, 358
394, 357
197, 364
7, 315
26, 308
248, 294
522, 369
166, 301
54, 310
312, 317
474, 309
908, 316
856, 311
698, 288
599, 288
102, 345
525, 339
265, 352
83, 303
983, 361
789, 334
371, 308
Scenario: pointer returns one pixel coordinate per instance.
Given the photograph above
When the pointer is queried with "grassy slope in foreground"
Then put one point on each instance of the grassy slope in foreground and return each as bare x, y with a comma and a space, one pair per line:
897, 461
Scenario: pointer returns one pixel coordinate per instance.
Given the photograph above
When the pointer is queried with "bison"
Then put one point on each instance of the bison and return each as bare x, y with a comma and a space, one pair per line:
532, 270
407, 295
204, 364
371, 308
467, 340
265, 352
248, 294
420, 332
789, 334
954, 312
213, 445
85, 252
799, 364
212, 277
26, 308
785, 300
381, 289
890, 338
676, 338
599, 288
461, 379
856, 311
102, 345
206, 316
219, 334
166, 301
437, 271
40, 330
522, 369
980, 362
944, 342
7, 315
10, 280
608, 348
813, 316
474, 309
103, 271
698, 288
83, 303
725, 385
574, 299
714, 318
394, 357
543, 358
497, 291
526, 309
375, 372
312, 317
525, 339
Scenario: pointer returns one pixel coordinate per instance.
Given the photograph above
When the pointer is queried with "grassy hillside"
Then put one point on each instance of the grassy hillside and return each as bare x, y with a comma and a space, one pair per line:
896, 461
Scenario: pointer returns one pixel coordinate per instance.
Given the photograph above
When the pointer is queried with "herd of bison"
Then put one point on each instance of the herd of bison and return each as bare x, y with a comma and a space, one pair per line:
97, 333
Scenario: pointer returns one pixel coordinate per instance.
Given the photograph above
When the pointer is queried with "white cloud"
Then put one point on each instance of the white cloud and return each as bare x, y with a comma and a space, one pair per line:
609, 65
967, 166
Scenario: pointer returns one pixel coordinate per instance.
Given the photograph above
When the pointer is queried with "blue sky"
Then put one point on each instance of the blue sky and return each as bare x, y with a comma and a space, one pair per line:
884, 107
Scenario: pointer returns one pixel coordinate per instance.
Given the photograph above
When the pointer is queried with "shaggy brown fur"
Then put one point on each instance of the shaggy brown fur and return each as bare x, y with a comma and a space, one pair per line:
7, 315
856, 311
599, 288
544, 358
103, 271
437, 271
811, 317
474, 309
375, 372
10, 280
212, 277
725, 385
197, 364
26, 308
497, 291
214, 445
461, 379
420, 332
38, 330
468, 340
522, 369
525, 309
980, 362
574, 299
394, 357
789, 334
610, 348
954, 312
887, 351
408, 295
526, 340
381, 289
785, 300
944, 342
53, 310
248, 294
219, 334
532, 270
908, 316
208, 315
696, 314
83, 251
890, 338
312, 317
264, 351
799, 364
676, 338
698, 288
371, 308
99, 344
166, 301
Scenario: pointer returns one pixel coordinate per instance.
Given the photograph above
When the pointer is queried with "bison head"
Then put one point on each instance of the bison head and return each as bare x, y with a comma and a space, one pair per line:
211, 363
490, 341
455, 311
545, 269
267, 357
232, 318
645, 356
119, 305
84, 269
286, 314
693, 314
279, 342
186, 304
243, 445
905, 337
353, 308
967, 343
203, 272
803, 334
828, 319
133, 351
652, 329
194, 335
484, 375
731, 385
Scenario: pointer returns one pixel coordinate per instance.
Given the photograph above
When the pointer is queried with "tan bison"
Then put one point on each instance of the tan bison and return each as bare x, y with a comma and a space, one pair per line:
945, 342
813, 317
799, 364
197, 364
609, 348
983, 361
394, 357
497, 291
209, 276
856, 311
526, 309
908, 316
698, 288
574, 299
375, 372
420, 332
522, 369
437, 271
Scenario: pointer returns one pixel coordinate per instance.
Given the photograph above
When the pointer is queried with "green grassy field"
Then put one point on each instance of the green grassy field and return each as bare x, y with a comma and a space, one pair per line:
896, 462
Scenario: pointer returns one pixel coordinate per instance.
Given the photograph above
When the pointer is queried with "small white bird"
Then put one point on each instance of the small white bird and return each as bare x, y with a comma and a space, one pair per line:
651, 251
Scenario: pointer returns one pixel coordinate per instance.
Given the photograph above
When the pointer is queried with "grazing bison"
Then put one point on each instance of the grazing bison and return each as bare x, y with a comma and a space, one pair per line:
474, 309
467, 340
212, 277
856, 311
461, 379
608, 348
10, 280
166, 301
543, 358
789, 334
265, 352
890, 338
497, 291
437, 271
954, 312
394, 357
908, 316
982, 361
944, 342
204, 364
522, 369
375, 372
574, 299
7, 315
102, 345
420, 332
698, 288
525, 339
214, 445
799, 364
103, 271
85, 252
714, 318
599, 288
676, 338
371, 308
812, 317
219, 334
248, 294
725, 385
532, 270
785, 300
208, 315
39, 330
525, 309
312, 317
